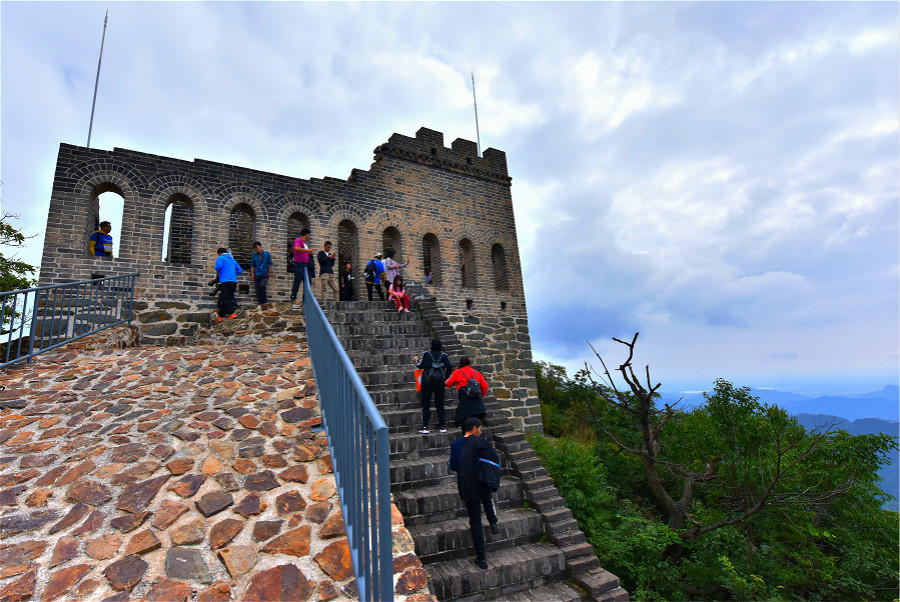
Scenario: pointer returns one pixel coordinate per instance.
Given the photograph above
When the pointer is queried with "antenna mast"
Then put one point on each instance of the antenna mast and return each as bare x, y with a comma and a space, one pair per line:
97, 81
475, 101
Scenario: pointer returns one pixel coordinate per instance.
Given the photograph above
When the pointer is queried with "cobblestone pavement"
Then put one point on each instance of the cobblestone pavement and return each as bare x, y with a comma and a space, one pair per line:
173, 474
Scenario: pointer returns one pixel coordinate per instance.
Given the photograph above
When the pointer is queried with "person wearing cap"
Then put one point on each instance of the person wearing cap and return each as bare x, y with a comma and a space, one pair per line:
374, 270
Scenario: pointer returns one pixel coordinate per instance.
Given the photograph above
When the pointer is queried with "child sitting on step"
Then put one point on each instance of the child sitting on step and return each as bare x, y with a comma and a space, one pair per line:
398, 293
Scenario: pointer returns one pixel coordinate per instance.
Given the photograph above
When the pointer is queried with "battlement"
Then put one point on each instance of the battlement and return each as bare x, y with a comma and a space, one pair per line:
427, 148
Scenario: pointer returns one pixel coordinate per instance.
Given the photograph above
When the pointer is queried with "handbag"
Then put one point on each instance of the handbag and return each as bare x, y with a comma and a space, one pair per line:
418, 372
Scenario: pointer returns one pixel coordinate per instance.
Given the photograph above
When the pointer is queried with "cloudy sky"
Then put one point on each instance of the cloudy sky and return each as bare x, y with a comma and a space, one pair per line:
722, 177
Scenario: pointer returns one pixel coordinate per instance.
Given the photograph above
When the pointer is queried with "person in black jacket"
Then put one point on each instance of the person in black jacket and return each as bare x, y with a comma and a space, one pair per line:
433, 358
477, 469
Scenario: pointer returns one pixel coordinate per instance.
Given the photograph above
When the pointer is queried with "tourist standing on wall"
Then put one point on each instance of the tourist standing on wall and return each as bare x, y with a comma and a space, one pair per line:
301, 262
227, 270
260, 262
101, 243
471, 388
477, 469
435, 366
347, 282
373, 274
391, 268
326, 258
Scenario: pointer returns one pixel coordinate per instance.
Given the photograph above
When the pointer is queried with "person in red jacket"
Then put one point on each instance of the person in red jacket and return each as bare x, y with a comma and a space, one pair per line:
470, 404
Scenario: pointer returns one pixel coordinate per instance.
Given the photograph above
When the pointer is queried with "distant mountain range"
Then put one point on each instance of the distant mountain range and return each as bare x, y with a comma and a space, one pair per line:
884, 404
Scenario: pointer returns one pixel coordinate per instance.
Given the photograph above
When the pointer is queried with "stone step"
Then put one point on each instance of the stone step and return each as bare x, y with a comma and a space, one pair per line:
413, 473
386, 314
409, 418
414, 445
436, 542
552, 592
413, 344
509, 570
436, 503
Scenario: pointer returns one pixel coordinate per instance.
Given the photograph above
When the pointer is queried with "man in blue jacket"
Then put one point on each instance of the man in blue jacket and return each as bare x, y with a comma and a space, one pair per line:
477, 469
227, 270
260, 262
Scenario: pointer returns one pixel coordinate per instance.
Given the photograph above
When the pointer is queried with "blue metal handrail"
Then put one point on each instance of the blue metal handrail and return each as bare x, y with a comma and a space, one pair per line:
45, 317
360, 455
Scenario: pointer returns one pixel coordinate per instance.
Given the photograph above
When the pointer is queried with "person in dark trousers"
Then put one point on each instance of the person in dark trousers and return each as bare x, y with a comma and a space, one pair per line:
372, 273
347, 282
302, 263
471, 403
260, 262
435, 365
227, 270
477, 469
326, 258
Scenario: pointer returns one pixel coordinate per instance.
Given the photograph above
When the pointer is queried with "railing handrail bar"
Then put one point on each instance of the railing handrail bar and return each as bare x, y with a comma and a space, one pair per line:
383, 589
60, 284
121, 293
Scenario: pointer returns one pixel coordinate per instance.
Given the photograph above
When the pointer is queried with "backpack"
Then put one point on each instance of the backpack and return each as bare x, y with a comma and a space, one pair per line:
489, 470
472, 388
434, 376
369, 272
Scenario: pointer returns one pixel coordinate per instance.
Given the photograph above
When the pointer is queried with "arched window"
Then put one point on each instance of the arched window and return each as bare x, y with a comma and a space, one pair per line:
467, 264
241, 225
109, 205
178, 230
390, 240
498, 262
431, 258
348, 248
295, 223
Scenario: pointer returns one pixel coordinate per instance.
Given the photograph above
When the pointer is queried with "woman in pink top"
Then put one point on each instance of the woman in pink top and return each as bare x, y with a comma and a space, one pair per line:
398, 293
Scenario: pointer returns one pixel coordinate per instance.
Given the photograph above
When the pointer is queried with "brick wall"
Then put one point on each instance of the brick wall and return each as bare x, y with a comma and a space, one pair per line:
418, 196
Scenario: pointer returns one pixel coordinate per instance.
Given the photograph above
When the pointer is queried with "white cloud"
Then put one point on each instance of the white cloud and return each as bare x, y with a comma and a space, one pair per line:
606, 90
726, 186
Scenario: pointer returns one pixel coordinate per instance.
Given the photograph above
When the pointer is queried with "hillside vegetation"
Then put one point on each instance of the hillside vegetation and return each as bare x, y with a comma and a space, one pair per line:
733, 499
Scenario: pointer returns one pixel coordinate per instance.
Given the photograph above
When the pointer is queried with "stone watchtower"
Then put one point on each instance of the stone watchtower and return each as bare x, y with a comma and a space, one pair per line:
444, 209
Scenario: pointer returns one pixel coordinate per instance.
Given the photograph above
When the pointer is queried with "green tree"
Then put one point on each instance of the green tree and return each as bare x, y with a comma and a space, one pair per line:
14, 274
732, 499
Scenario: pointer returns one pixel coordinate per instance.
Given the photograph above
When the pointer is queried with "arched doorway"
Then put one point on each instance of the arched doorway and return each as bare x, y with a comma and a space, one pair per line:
241, 226
431, 258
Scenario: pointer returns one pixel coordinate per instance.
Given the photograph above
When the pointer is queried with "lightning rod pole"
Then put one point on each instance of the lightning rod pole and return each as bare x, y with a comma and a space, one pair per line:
475, 101
97, 81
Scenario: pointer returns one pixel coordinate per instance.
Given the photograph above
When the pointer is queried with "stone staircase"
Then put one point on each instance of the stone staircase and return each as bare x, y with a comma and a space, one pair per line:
540, 554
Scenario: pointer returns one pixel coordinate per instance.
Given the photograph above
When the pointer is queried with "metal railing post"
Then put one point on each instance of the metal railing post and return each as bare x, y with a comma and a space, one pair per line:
34, 312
